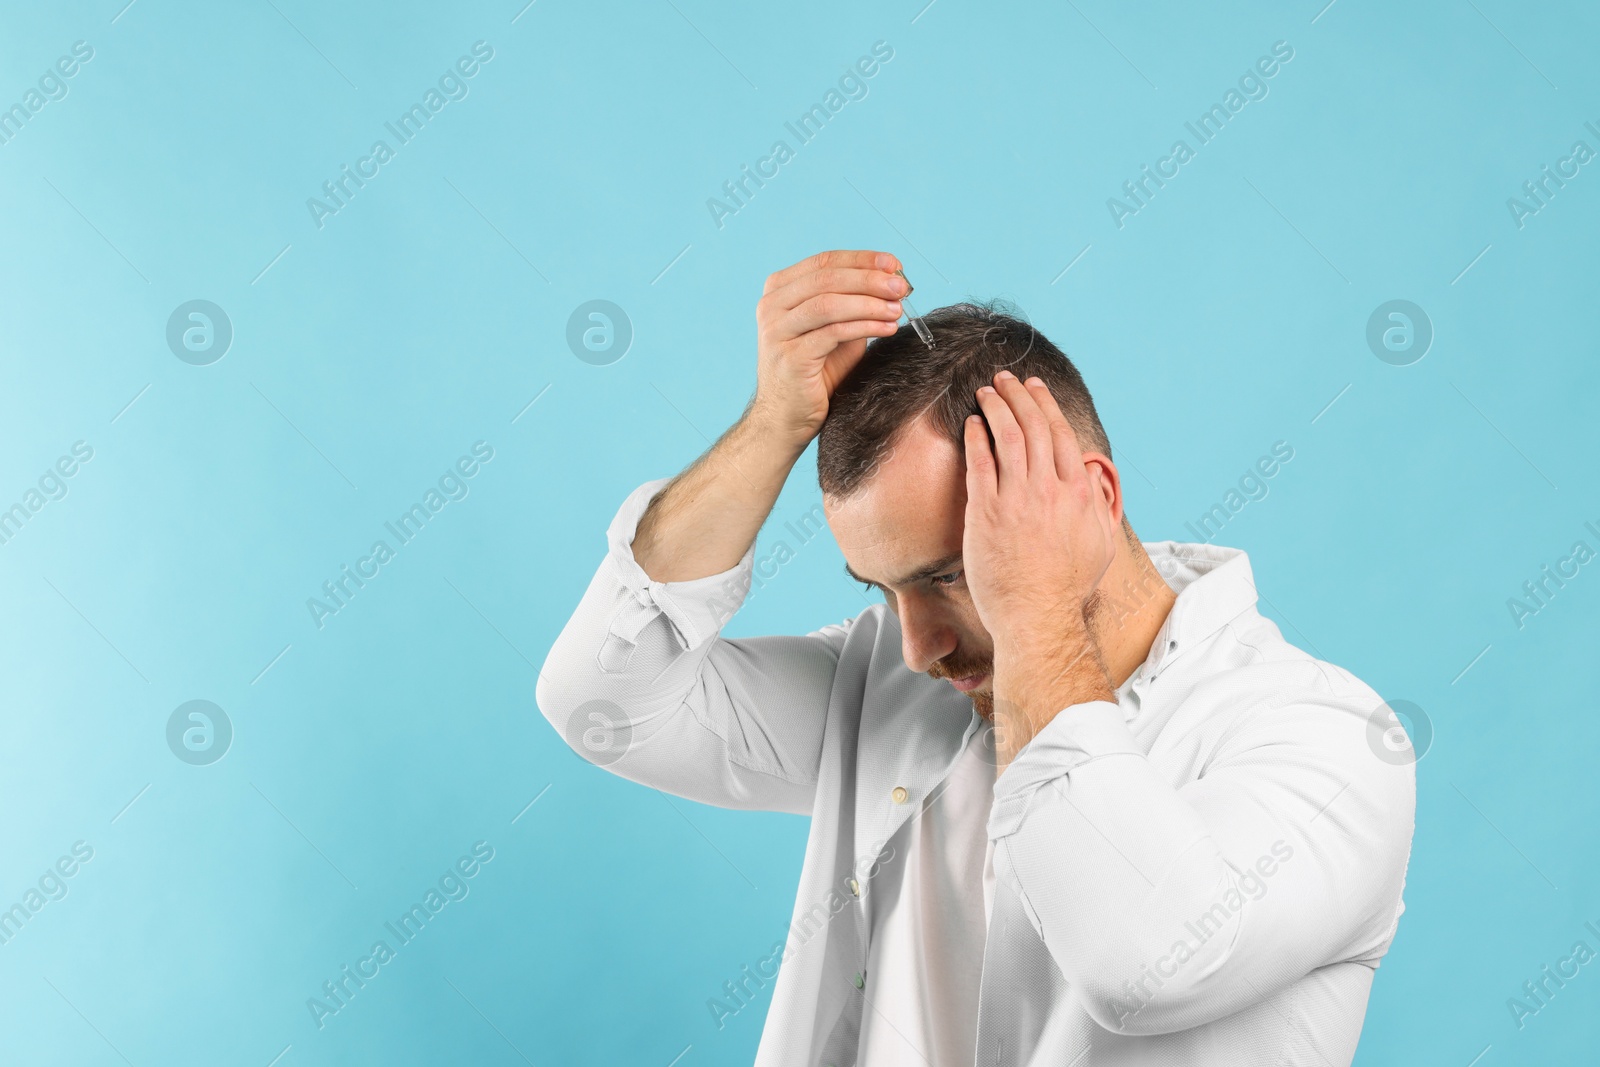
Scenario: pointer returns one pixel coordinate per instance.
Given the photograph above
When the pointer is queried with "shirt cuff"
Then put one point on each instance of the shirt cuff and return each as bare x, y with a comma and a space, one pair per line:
1078, 734
697, 609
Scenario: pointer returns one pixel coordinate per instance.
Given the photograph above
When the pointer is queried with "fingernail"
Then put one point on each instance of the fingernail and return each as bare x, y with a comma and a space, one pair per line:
1035, 380
894, 306
1006, 374
886, 261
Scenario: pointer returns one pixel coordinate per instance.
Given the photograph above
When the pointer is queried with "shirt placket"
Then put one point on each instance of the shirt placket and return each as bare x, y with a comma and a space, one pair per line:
846, 965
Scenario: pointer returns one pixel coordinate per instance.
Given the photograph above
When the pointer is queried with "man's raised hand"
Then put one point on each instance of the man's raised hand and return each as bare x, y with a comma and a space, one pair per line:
813, 323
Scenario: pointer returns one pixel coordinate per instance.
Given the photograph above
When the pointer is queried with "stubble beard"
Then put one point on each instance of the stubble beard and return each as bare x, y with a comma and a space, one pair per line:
983, 702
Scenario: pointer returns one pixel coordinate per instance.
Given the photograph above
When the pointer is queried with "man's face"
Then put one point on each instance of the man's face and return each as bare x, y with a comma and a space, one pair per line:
901, 531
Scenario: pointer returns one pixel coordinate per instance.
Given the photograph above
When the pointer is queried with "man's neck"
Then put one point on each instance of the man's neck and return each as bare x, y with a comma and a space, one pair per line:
1133, 602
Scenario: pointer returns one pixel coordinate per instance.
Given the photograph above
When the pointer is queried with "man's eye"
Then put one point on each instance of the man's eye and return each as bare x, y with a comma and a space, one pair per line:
946, 580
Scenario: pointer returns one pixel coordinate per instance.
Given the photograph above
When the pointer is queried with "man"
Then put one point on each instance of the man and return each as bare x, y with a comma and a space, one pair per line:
1074, 800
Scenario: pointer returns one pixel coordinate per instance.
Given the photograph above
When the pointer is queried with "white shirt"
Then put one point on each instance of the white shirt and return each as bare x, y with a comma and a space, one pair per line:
1204, 872
925, 959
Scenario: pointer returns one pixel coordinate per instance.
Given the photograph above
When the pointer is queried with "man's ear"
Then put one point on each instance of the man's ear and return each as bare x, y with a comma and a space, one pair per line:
1104, 476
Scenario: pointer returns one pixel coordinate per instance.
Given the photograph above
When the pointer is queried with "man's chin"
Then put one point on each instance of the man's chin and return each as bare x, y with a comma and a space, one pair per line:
982, 703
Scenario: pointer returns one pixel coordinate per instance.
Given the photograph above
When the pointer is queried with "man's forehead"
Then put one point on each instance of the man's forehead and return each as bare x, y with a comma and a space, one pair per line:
908, 514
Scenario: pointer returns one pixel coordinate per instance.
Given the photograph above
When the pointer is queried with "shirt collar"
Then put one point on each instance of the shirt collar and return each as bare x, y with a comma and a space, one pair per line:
1214, 585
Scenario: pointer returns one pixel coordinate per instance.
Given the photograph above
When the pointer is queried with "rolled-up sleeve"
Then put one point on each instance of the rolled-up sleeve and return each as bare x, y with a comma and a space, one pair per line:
641, 682
1282, 848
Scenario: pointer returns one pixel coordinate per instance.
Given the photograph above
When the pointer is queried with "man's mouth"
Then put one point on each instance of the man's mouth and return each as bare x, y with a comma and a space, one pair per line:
969, 683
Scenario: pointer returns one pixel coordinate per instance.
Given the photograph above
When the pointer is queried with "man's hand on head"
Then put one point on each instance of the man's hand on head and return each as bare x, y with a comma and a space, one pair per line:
813, 322
1042, 522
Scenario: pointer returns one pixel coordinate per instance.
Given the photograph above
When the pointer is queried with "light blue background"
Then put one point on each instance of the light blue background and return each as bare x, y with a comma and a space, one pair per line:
430, 311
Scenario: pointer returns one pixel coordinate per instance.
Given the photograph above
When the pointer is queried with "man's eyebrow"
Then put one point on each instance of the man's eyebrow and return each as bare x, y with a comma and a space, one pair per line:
938, 566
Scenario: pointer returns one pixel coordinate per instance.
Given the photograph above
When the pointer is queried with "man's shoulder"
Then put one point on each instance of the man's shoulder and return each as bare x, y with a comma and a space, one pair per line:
1264, 703
1252, 669
1269, 657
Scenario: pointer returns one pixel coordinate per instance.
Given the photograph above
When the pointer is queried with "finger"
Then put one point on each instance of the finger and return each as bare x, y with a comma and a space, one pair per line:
879, 283
836, 258
822, 341
1038, 445
1064, 442
1011, 457
829, 308
981, 479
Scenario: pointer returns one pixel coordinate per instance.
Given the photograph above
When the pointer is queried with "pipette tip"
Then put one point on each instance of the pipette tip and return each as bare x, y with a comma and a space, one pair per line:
917, 325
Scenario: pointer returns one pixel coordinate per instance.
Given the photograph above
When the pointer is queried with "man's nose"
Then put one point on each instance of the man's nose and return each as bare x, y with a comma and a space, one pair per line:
925, 638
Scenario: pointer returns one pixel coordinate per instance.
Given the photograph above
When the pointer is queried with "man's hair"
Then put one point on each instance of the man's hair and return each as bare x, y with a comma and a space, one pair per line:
900, 378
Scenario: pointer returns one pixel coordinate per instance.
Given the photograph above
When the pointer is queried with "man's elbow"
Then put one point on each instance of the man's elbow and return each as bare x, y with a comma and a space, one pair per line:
596, 729
546, 699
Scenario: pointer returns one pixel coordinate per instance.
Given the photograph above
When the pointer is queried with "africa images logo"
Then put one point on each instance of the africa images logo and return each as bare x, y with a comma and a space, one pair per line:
199, 732
452, 85
452, 886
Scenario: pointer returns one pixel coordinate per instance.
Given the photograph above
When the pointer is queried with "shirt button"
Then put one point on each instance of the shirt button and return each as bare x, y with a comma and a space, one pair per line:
860, 981
900, 794
855, 887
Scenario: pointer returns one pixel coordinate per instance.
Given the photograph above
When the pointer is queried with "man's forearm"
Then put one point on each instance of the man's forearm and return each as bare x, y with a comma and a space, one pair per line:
706, 518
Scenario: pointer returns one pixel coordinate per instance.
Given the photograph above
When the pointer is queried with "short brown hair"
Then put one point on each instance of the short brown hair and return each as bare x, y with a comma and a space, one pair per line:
900, 378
